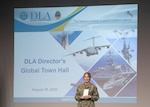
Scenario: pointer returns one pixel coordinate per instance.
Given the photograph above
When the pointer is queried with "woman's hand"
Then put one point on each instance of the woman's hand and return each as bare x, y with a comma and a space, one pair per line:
85, 97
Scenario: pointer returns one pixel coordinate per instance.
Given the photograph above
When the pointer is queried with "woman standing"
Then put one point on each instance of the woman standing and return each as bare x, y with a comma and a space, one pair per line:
86, 93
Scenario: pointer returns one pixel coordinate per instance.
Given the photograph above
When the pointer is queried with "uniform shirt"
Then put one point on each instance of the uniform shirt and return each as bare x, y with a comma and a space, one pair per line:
92, 92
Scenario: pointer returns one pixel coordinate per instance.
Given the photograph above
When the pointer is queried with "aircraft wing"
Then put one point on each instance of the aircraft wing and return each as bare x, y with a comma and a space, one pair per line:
90, 50
77, 52
104, 46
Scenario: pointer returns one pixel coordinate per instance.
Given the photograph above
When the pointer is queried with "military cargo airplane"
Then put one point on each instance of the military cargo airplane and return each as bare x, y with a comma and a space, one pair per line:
93, 50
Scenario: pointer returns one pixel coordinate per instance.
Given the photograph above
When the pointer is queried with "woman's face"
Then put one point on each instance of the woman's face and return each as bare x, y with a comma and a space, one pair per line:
86, 78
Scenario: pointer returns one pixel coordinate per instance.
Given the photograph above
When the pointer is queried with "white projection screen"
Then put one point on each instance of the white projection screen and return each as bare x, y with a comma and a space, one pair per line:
55, 46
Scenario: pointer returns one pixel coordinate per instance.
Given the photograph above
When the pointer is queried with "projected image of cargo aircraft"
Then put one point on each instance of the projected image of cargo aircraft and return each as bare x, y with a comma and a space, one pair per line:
93, 50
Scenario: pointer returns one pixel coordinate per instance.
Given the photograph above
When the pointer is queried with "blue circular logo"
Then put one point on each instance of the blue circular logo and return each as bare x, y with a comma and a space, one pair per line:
57, 15
23, 15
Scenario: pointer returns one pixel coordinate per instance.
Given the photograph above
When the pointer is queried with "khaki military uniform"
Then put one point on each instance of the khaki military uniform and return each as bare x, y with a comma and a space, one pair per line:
92, 92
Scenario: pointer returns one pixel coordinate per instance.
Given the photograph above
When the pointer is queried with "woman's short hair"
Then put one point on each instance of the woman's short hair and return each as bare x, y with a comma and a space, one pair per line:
87, 74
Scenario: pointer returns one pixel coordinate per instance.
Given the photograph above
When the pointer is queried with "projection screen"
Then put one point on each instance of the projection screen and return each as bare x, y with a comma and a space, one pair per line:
55, 46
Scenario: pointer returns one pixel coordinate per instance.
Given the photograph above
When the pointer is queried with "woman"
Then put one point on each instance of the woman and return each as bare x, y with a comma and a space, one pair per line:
86, 93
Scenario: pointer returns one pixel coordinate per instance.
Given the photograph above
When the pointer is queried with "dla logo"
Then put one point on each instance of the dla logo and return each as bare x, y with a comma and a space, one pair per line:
23, 15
